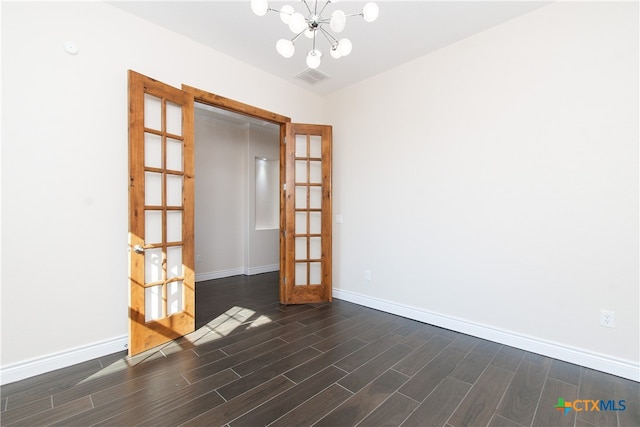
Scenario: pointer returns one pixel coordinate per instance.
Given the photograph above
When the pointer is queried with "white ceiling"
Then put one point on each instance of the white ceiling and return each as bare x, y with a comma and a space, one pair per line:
405, 30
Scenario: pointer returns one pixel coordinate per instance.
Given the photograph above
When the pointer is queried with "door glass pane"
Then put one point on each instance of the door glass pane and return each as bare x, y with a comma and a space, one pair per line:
315, 197
174, 298
152, 227
152, 265
152, 150
174, 119
301, 171
301, 223
153, 303
315, 146
301, 248
174, 226
315, 172
152, 112
301, 273
315, 248
174, 190
152, 189
315, 273
301, 145
301, 197
174, 154
315, 222
174, 262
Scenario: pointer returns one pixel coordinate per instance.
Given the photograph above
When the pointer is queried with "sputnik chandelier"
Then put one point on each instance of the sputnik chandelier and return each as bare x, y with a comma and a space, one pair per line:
313, 25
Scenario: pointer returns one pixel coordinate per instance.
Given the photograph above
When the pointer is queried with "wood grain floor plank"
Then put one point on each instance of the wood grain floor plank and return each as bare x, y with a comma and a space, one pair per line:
174, 404
363, 355
547, 414
391, 412
290, 399
432, 373
358, 406
33, 407
56, 414
213, 368
595, 386
480, 403
474, 363
439, 404
411, 364
522, 396
337, 353
564, 371
315, 408
262, 375
374, 368
240, 405
508, 358
629, 391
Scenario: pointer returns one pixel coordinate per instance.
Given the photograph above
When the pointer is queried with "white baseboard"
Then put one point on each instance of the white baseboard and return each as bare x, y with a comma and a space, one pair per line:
248, 271
621, 368
40, 365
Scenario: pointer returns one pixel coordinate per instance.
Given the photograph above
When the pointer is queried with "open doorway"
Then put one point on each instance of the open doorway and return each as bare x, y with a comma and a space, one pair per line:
237, 210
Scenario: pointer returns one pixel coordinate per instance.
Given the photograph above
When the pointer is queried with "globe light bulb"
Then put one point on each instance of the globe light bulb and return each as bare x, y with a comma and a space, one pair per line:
314, 58
338, 21
345, 46
285, 48
259, 7
285, 13
370, 11
297, 23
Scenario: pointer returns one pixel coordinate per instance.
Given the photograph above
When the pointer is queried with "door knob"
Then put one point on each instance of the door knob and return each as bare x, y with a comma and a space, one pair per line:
138, 249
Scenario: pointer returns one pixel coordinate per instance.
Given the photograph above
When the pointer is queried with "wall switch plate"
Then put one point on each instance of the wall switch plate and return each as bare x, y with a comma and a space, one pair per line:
367, 275
339, 219
607, 319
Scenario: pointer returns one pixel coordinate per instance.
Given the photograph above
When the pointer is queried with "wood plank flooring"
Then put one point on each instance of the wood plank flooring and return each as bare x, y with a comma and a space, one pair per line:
253, 362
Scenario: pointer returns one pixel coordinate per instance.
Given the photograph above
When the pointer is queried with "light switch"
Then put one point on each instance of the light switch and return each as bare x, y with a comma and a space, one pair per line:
339, 219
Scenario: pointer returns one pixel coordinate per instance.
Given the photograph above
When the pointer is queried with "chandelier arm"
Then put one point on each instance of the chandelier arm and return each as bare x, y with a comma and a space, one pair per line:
279, 11
324, 7
328, 36
307, 5
298, 35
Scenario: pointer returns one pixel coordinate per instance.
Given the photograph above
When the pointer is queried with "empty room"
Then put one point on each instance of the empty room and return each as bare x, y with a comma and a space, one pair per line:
443, 229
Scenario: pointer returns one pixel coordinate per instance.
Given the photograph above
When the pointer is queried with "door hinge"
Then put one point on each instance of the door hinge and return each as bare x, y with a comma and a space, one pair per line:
284, 280
284, 187
284, 140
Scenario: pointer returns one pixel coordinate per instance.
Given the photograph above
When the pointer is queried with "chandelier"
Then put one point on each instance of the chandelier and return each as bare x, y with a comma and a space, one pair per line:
314, 24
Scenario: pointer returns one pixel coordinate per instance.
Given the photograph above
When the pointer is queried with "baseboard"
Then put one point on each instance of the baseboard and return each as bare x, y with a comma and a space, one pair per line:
555, 350
248, 271
32, 367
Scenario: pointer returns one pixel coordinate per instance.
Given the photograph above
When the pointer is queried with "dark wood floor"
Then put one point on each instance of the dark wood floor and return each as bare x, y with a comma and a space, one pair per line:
253, 362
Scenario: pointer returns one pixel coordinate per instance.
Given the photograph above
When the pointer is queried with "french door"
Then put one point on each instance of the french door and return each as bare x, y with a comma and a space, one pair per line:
161, 200
307, 214
161, 209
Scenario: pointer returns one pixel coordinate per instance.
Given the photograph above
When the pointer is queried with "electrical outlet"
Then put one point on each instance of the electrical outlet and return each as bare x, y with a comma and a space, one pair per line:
198, 258
367, 275
607, 318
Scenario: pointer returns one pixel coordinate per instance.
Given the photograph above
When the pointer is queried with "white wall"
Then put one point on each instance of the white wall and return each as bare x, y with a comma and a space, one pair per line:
226, 240
492, 186
64, 164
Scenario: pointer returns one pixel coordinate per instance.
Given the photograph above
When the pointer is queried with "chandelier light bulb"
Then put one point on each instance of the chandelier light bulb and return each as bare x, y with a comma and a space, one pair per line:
297, 23
286, 12
313, 58
259, 7
345, 46
310, 33
370, 12
338, 21
285, 48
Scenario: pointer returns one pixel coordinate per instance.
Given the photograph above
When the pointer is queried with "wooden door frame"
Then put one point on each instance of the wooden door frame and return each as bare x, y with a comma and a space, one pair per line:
218, 101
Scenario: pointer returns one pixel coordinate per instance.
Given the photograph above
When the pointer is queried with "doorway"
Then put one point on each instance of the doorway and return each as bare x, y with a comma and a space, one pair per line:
237, 209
